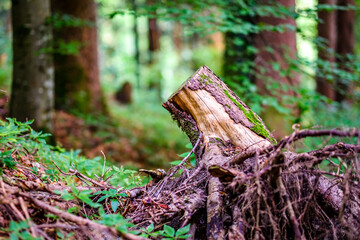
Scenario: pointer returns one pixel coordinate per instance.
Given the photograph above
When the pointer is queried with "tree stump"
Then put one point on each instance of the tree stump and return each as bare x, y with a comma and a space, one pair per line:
123, 95
243, 185
205, 104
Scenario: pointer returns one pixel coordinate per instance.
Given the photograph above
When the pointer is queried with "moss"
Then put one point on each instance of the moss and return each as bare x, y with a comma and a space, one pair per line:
258, 127
205, 79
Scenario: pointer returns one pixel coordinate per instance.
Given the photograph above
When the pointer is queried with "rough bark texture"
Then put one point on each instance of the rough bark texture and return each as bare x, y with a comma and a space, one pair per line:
327, 30
77, 84
32, 95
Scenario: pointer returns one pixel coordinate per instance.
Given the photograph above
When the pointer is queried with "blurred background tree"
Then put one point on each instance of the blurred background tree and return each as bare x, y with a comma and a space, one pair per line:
77, 78
32, 94
292, 62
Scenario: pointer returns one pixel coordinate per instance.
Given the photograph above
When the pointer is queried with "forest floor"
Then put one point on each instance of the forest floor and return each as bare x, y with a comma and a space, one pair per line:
138, 135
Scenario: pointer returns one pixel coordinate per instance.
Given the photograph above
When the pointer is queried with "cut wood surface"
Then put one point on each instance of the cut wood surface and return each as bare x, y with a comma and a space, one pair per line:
204, 103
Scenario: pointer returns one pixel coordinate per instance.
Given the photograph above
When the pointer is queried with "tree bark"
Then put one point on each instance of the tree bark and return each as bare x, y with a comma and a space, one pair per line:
77, 84
327, 30
32, 95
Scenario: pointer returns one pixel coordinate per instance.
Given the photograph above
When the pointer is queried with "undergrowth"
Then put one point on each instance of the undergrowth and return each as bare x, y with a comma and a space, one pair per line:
23, 148
19, 141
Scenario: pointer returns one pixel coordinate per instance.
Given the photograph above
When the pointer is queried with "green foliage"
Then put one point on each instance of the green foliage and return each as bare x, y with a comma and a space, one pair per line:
20, 139
20, 230
59, 21
238, 21
113, 195
191, 159
170, 234
149, 232
117, 221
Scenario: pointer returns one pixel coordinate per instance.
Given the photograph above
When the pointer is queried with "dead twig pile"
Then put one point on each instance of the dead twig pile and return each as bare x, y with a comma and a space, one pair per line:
271, 193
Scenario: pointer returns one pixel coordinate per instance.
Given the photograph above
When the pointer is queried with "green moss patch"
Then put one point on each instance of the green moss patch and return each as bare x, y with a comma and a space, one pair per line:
258, 127
205, 79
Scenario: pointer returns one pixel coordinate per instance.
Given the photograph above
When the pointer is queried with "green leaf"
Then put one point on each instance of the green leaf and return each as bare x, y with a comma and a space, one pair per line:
114, 204
169, 231
122, 194
102, 198
177, 162
184, 236
183, 154
67, 196
183, 230
189, 146
150, 228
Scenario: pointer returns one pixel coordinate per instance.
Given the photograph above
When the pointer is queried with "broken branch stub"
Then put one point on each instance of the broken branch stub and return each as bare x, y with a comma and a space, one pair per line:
205, 104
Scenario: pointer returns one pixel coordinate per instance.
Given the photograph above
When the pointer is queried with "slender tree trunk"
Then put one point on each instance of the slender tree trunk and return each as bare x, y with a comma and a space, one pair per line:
32, 87
154, 38
327, 30
177, 36
345, 45
136, 44
77, 84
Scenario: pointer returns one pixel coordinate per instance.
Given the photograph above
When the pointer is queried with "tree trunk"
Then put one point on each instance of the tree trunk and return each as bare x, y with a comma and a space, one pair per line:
77, 84
136, 44
345, 45
243, 66
283, 45
204, 104
154, 37
32, 93
326, 30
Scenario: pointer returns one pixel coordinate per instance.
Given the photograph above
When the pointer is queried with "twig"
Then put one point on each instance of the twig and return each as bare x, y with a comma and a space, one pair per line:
294, 137
80, 176
187, 157
57, 225
25, 210
103, 171
176, 168
289, 209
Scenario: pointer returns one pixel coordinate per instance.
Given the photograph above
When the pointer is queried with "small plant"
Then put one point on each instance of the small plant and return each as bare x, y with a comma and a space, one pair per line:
170, 234
81, 195
119, 222
113, 195
148, 232
183, 155
19, 230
